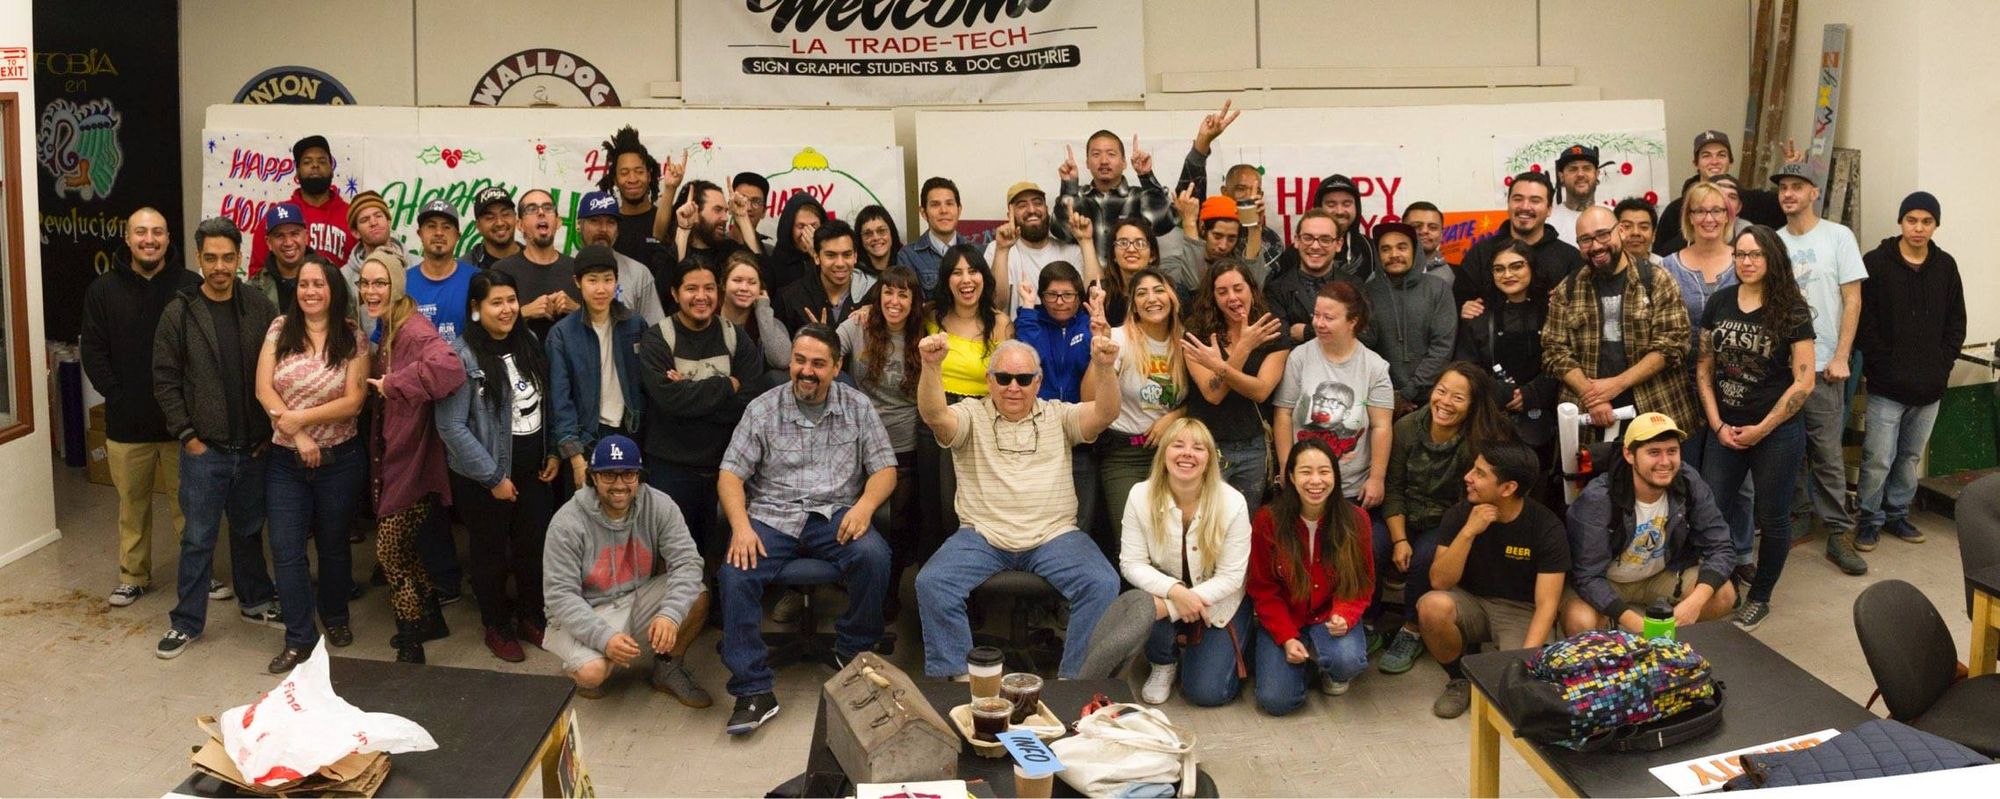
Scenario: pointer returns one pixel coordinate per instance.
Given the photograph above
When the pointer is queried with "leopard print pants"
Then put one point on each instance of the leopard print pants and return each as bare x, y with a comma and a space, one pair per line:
396, 549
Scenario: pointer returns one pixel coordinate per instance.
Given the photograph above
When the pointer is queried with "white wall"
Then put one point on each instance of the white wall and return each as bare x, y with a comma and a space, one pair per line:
27, 494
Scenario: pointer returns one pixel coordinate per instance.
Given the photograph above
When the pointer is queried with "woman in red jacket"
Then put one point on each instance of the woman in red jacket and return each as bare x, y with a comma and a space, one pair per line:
413, 369
1309, 583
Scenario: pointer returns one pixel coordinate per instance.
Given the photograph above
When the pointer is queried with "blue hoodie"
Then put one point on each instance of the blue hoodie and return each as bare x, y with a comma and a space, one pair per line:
1065, 350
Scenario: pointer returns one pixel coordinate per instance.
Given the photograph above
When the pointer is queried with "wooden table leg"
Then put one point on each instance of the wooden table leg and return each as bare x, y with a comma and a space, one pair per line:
552, 749
1985, 614
1485, 747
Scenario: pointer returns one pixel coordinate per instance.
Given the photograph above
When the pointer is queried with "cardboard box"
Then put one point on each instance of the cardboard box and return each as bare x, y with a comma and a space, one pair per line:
356, 775
97, 460
96, 418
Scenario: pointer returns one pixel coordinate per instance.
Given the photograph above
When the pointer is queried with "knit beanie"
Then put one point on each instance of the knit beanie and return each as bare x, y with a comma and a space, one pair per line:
366, 199
1919, 201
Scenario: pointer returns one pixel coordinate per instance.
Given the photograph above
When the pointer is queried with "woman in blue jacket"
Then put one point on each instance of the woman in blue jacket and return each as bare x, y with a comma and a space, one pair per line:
1055, 322
496, 444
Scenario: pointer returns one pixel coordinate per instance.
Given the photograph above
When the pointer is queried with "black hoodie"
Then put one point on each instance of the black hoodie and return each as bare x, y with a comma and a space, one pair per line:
1912, 323
786, 263
121, 312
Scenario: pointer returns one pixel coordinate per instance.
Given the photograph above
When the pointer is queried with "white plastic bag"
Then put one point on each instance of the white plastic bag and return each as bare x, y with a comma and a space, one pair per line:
301, 725
1125, 743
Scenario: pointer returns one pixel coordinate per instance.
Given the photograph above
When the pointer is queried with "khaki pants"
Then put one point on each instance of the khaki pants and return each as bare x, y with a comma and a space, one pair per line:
133, 467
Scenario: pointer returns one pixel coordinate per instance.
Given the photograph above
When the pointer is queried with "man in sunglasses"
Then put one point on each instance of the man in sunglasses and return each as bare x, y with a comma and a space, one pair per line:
1016, 501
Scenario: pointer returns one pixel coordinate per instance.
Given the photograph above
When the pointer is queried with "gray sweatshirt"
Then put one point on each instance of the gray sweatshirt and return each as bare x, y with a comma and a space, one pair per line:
590, 560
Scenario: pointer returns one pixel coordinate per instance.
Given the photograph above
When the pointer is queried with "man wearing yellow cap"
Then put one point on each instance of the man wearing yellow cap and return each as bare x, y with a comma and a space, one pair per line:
1022, 246
1645, 532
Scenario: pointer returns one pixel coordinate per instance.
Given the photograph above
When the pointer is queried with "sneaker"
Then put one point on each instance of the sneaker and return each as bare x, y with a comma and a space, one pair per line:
671, 677
833, 659
172, 644
217, 592
1903, 529
1331, 686
1840, 550
751, 712
789, 608
1160, 683
504, 645
1865, 537
447, 599
1402, 653
1453, 701
1752, 614
125, 594
270, 616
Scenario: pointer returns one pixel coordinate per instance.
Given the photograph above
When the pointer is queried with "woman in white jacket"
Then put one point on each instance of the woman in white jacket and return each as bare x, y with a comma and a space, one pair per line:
1186, 542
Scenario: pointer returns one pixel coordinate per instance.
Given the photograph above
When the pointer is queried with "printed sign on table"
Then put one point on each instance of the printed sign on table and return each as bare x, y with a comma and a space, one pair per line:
1709, 772
900, 52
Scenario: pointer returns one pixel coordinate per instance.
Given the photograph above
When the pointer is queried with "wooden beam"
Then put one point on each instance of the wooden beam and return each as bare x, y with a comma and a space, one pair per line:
1753, 105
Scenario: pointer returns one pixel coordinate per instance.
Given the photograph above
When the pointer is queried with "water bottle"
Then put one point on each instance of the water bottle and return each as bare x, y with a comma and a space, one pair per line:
1659, 621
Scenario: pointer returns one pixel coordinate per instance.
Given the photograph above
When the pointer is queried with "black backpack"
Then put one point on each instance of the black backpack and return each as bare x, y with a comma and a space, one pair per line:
1611, 691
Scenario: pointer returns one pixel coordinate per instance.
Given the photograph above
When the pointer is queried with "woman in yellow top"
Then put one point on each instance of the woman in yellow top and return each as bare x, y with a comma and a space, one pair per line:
963, 309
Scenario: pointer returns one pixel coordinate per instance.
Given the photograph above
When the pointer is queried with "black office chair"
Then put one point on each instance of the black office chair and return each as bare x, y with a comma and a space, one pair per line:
804, 575
1022, 590
1978, 515
1912, 657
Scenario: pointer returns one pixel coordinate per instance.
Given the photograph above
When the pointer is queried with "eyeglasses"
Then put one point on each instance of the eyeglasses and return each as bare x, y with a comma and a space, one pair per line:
1749, 255
618, 477
1059, 296
372, 284
538, 208
1129, 244
1603, 237
1323, 241
1013, 378
1707, 212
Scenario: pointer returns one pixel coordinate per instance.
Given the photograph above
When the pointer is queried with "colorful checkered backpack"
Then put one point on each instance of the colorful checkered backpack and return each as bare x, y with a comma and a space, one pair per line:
1610, 690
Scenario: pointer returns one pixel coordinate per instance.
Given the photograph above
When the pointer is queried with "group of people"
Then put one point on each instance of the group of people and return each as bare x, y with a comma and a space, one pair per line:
1300, 449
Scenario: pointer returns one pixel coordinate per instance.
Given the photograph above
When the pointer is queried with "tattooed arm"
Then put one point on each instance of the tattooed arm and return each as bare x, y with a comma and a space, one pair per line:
1795, 395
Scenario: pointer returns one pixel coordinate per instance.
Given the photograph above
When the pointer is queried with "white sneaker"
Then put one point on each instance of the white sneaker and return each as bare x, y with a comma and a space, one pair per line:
1332, 687
1159, 684
217, 592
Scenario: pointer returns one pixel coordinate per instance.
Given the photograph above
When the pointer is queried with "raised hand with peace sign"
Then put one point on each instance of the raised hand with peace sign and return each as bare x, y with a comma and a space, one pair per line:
1210, 129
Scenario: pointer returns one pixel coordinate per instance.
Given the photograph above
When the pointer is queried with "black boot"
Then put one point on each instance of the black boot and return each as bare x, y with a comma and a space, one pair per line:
409, 641
433, 625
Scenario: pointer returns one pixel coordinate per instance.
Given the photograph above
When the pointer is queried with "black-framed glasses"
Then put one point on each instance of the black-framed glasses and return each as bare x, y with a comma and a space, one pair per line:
1059, 296
1603, 237
1013, 378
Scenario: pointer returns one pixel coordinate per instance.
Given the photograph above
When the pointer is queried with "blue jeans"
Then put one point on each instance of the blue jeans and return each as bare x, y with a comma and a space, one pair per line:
1208, 667
1070, 561
864, 561
1742, 533
301, 498
1417, 581
1083, 472
1281, 686
1773, 464
1245, 468
214, 484
693, 491
1895, 440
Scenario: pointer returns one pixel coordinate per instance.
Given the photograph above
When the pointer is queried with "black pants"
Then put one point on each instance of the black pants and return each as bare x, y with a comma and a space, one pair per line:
505, 541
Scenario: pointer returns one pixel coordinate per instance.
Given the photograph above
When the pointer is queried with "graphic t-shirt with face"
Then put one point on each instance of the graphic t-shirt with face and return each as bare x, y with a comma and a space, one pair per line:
1330, 401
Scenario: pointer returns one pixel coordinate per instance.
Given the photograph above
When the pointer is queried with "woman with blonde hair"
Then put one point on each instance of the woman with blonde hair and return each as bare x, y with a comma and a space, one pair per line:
1186, 542
412, 370
1152, 385
1702, 268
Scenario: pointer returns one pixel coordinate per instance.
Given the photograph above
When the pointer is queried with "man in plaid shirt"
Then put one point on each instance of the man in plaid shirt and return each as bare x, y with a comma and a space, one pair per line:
1617, 334
1110, 198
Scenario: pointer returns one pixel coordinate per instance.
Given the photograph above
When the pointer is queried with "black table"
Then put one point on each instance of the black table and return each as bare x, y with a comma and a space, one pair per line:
1065, 698
492, 728
1768, 698
1985, 585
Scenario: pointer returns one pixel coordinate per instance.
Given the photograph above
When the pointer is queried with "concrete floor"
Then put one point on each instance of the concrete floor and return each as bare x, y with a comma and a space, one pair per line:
88, 710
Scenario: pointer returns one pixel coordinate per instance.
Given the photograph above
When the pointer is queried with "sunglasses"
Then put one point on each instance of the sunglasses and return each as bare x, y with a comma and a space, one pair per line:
1013, 378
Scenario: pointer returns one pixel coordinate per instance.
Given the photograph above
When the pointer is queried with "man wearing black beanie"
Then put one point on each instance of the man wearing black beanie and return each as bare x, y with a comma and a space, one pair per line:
1912, 324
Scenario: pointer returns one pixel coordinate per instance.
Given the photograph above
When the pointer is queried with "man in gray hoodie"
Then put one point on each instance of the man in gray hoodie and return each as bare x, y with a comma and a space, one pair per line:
1411, 323
620, 575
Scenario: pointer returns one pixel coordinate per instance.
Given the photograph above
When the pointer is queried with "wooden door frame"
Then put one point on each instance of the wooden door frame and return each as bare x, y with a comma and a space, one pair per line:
17, 349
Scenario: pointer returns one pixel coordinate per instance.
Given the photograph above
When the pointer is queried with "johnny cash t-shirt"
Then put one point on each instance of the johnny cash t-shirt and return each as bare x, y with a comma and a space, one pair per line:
1752, 365
1330, 400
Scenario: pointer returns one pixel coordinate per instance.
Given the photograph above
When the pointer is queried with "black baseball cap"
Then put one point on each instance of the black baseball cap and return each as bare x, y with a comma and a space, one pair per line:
491, 195
300, 147
1577, 152
1334, 183
595, 258
751, 179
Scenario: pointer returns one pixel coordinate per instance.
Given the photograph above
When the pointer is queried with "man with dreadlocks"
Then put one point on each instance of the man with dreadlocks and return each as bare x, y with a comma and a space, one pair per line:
634, 178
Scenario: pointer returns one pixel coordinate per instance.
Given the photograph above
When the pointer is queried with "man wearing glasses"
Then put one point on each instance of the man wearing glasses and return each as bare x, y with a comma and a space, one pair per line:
621, 577
545, 275
1292, 292
803, 475
1016, 501
1617, 333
